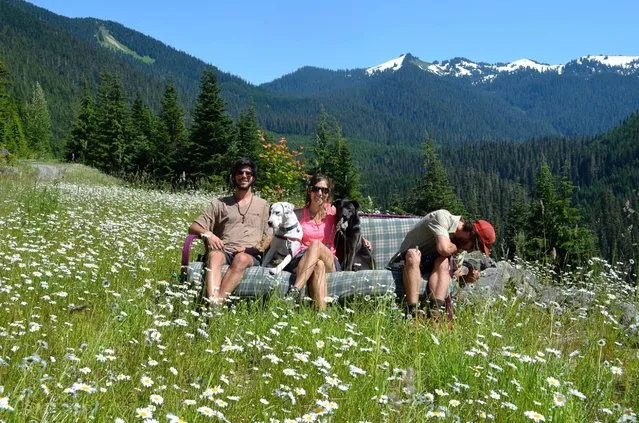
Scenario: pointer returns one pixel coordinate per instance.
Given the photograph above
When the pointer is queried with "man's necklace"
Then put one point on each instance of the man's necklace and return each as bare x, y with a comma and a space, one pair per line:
247, 209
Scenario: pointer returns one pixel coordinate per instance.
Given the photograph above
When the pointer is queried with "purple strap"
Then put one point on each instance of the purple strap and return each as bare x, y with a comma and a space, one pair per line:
186, 249
449, 301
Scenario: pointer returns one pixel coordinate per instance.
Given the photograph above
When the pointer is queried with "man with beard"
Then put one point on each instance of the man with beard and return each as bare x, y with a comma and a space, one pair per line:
233, 229
427, 248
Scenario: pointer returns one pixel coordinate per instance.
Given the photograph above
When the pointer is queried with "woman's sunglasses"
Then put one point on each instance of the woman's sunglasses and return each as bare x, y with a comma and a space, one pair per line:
321, 190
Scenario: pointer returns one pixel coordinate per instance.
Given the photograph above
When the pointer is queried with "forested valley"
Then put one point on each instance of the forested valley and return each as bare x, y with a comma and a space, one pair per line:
557, 180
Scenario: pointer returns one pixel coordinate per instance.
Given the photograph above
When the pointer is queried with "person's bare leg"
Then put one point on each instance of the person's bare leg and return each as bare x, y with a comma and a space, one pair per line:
438, 284
241, 261
307, 263
317, 286
439, 280
216, 260
411, 276
327, 257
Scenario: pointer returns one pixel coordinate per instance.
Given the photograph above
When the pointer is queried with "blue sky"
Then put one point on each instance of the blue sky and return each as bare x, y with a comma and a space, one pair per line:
263, 40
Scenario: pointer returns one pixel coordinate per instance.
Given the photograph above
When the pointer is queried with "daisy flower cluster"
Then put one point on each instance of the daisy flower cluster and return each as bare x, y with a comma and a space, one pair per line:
95, 325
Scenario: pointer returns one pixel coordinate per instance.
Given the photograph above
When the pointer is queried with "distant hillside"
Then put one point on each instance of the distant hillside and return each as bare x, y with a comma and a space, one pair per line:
390, 107
604, 170
573, 104
519, 100
60, 53
401, 105
393, 103
384, 110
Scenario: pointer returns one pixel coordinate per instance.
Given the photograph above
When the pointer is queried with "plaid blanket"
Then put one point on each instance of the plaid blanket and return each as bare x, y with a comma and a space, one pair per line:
385, 234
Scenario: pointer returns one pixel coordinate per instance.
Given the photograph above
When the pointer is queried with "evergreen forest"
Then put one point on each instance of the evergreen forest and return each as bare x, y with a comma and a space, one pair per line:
556, 172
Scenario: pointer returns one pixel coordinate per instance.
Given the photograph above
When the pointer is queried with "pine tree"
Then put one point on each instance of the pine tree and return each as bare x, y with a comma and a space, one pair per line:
554, 225
543, 225
434, 191
83, 131
516, 223
173, 138
331, 156
247, 133
145, 138
576, 243
5, 102
13, 136
11, 129
322, 158
112, 126
212, 131
38, 124
345, 174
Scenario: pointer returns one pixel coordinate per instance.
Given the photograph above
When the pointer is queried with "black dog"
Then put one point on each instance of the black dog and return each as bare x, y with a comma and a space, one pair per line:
351, 251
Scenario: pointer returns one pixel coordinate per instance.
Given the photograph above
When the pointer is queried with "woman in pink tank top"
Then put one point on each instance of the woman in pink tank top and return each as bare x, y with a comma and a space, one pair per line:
317, 254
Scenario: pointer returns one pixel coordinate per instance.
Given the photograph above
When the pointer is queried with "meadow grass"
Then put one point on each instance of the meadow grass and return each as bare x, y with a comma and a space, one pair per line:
94, 325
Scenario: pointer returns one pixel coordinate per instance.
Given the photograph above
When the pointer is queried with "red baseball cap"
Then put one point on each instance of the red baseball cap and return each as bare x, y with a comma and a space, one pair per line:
487, 234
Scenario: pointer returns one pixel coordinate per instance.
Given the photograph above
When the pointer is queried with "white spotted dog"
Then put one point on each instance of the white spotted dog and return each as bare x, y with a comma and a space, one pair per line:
287, 238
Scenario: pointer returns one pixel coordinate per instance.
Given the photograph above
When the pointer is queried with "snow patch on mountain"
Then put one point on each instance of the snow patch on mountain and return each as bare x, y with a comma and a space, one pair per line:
485, 72
527, 64
394, 64
461, 68
616, 61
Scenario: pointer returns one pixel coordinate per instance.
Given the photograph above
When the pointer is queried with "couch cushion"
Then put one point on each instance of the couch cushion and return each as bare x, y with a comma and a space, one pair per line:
257, 282
367, 282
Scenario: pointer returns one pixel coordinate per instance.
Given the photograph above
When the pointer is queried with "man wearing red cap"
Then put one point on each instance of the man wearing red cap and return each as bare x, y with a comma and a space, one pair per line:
427, 248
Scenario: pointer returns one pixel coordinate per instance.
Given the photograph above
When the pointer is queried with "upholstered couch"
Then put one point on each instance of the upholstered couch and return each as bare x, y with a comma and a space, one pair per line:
385, 233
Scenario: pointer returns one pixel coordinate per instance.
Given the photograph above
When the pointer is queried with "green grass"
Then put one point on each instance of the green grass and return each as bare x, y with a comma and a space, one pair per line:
90, 309
109, 41
79, 174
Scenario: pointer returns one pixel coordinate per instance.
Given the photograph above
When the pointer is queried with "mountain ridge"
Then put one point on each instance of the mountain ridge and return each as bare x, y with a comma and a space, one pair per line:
463, 67
386, 106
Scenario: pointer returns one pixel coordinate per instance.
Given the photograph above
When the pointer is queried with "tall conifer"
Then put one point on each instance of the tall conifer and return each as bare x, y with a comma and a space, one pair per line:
322, 161
112, 126
212, 131
11, 129
434, 191
144, 137
38, 124
554, 226
516, 222
13, 135
174, 143
5, 111
247, 132
345, 175
83, 131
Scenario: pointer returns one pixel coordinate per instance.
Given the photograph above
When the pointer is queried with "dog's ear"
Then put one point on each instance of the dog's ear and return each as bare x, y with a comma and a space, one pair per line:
288, 207
355, 203
337, 204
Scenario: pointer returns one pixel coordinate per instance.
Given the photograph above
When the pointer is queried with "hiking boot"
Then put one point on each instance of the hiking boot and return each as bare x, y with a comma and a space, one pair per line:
293, 296
436, 309
415, 315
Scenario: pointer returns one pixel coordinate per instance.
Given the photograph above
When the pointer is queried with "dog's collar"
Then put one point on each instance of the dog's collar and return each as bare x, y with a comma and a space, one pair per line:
291, 227
288, 238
